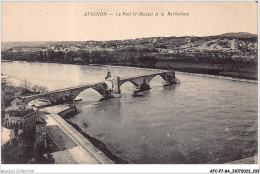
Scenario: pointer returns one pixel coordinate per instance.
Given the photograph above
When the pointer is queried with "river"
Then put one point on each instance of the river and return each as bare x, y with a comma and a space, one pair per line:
201, 120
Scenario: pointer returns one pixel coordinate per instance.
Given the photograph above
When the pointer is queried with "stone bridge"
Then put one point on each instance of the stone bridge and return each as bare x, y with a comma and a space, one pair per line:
69, 94
168, 76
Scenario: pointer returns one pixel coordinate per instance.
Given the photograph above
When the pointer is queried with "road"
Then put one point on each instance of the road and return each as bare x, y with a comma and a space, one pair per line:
73, 146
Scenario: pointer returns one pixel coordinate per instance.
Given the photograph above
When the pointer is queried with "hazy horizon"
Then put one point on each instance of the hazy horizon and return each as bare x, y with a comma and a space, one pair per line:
125, 39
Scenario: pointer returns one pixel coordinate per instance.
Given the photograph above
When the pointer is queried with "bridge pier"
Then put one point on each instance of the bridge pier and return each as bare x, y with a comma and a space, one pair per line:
114, 90
143, 86
170, 78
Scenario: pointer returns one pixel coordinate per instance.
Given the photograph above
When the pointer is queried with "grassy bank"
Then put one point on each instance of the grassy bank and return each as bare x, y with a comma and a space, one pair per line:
235, 70
244, 71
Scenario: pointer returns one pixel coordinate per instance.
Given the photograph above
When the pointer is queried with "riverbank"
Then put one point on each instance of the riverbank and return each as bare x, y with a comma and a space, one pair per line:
65, 112
188, 73
238, 70
249, 160
220, 77
233, 70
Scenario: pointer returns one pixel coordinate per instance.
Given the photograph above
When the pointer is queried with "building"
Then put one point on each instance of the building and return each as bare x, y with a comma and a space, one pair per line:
78, 60
3, 84
28, 130
40, 132
171, 46
20, 118
233, 44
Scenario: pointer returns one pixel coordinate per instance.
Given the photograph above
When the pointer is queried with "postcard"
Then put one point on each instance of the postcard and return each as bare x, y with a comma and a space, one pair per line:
129, 82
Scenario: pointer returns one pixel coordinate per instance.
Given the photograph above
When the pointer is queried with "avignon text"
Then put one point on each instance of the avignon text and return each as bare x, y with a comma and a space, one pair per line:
95, 14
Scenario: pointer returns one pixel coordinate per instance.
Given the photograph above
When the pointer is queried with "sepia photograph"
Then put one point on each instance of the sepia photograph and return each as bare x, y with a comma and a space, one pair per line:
129, 82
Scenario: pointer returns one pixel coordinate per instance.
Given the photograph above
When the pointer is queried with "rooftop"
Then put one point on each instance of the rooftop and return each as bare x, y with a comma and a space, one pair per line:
20, 112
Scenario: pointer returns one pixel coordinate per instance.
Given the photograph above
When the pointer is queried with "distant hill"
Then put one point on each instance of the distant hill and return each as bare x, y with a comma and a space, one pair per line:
238, 35
8, 45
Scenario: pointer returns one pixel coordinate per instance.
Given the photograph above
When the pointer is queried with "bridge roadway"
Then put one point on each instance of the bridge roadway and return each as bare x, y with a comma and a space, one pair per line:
73, 147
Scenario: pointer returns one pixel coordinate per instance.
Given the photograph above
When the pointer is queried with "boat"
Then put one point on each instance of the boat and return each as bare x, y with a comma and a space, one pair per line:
76, 100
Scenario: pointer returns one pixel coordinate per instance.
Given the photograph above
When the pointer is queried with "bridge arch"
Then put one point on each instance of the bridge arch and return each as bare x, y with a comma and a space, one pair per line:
163, 77
59, 97
100, 90
90, 90
134, 83
138, 81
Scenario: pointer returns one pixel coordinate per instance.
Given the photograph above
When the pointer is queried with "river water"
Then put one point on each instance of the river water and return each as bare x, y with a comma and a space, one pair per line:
201, 120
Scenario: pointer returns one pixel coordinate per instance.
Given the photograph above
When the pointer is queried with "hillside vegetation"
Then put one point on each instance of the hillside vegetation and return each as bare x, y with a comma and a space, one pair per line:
229, 54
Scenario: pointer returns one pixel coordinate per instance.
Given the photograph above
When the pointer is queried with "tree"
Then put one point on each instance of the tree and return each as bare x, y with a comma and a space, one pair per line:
147, 60
26, 85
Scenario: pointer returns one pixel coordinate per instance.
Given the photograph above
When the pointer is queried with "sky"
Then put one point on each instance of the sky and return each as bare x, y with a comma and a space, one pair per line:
65, 21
